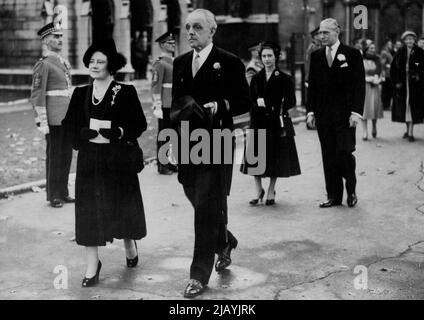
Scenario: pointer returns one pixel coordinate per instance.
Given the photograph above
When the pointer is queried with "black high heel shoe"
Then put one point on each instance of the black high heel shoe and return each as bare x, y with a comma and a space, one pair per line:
261, 198
131, 263
270, 202
89, 282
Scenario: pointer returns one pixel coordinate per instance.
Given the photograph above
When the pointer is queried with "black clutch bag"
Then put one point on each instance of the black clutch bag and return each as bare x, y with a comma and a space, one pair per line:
126, 157
286, 124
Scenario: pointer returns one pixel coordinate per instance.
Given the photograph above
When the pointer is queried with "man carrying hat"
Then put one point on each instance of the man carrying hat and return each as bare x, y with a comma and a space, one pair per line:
162, 93
50, 96
213, 80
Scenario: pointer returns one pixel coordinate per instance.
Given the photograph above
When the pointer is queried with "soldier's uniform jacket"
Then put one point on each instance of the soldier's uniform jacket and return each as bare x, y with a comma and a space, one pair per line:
162, 80
51, 89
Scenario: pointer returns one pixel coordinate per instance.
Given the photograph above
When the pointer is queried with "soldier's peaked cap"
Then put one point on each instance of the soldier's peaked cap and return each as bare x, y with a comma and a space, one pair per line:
49, 28
254, 46
314, 32
167, 36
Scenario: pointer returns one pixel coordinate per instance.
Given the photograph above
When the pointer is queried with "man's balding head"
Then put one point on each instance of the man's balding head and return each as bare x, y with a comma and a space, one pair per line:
201, 27
329, 31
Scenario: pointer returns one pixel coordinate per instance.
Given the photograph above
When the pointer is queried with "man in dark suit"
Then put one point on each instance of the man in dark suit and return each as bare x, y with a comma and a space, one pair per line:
215, 79
336, 97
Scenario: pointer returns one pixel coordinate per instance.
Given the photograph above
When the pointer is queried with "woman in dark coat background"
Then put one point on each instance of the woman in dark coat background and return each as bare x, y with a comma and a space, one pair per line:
407, 74
108, 198
273, 94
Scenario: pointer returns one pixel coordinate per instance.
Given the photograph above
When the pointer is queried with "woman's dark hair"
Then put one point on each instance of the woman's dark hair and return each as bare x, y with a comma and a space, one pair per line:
115, 59
373, 57
273, 46
367, 46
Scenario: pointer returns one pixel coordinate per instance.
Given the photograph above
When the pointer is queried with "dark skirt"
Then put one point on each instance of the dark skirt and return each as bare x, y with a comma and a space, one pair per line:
281, 155
108, 202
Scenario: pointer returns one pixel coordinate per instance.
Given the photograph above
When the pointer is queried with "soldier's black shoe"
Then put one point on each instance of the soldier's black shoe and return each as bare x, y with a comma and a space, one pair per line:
68, 199
173, 168
165, 172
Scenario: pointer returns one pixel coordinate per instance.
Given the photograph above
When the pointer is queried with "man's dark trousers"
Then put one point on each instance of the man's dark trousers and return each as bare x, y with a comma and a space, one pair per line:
209, 221
338, 160
58, 162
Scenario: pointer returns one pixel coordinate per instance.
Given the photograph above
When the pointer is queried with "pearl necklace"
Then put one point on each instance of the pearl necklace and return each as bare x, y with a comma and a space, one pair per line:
99, 97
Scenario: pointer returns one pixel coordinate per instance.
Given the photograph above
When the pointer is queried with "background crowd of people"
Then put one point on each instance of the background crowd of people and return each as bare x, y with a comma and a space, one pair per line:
394, 81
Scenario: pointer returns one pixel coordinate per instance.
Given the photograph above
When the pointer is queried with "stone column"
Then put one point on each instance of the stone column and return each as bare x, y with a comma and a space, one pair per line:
159, 26
122, 35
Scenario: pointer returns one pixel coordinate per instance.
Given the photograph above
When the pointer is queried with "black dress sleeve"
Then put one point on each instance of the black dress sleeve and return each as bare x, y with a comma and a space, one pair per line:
133, 121
72, 120
289, 94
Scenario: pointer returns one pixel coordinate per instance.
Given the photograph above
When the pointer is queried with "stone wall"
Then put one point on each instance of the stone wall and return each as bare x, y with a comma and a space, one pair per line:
19, 22
20, 47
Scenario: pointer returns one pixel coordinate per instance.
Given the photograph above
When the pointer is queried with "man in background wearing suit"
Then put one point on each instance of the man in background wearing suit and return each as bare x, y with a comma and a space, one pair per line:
215, 79
335, 103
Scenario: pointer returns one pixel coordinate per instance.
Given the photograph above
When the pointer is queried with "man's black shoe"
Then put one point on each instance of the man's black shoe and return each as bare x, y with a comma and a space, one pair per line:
352, 200
330, 203
224, 258
193, 289
56, 203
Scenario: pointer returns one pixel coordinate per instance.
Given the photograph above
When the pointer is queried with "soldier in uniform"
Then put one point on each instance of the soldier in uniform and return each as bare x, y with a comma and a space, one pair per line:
313, 46
162, 93
255, 64
50, 96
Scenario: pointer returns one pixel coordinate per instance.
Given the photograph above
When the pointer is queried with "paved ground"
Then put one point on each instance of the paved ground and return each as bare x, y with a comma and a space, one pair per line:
293, 250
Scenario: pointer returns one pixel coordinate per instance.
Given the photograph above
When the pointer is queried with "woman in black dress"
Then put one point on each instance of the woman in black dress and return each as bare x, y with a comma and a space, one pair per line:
273, 94
101, 117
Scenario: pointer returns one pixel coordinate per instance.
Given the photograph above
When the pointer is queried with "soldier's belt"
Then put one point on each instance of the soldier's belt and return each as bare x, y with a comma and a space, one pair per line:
167, 85
58, 93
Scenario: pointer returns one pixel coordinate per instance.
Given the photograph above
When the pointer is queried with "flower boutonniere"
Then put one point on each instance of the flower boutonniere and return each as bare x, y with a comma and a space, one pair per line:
217, 70
341, 57
115, 90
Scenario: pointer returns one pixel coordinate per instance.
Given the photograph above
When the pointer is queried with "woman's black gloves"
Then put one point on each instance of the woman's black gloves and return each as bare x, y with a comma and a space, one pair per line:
111, 134
88, 134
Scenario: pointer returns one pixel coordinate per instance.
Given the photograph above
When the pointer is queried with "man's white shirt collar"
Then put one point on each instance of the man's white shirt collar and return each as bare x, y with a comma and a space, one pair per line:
334, 48
204, 54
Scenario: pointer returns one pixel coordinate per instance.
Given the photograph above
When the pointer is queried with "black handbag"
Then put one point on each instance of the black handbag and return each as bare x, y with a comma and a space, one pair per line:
127, 156
286, 124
